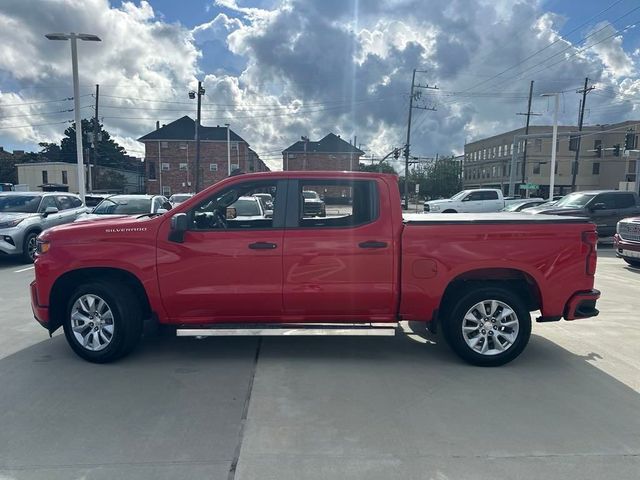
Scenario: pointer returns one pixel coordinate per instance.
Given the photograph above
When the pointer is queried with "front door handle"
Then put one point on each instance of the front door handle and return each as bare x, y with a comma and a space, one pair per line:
262, 246
372, 244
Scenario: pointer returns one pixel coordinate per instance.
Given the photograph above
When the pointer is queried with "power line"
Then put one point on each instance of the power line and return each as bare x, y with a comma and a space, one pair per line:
36, 125
36, 103
560, 37
38, 114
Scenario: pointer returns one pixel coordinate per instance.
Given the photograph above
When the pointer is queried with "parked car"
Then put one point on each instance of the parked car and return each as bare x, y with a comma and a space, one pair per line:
314, 206
605, 208
266, 199
248, 208
122, 205
93, 199
23, 215
178, 198
471, 201
627, 240
476, 277
522, 204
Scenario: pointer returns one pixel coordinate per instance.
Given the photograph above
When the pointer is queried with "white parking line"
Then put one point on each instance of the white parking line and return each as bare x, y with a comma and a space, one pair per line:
23, 269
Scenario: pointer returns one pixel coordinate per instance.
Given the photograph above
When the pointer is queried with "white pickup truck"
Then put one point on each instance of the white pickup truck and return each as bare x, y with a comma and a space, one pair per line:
471, 201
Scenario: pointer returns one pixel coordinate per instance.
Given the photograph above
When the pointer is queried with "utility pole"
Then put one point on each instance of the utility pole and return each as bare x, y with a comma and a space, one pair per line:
193, 95
414, 95
554, 142
526, 132
574, 167
96, 129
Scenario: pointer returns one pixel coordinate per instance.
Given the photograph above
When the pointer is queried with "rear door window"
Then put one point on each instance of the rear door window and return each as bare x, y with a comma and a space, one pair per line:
475, 196
608, 199
625, 200
489, 195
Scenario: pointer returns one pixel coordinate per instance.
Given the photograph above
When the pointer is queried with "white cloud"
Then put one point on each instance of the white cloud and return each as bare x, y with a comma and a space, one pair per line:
308, 68
608, 47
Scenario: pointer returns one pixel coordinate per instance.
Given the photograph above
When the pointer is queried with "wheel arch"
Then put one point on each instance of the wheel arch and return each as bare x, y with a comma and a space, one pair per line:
69, 281
517, 281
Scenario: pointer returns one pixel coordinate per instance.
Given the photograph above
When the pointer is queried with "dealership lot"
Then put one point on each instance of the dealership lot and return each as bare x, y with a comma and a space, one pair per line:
320, 408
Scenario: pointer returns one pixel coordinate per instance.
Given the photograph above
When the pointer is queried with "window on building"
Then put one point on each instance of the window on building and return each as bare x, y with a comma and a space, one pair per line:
166, 190
234, 145
500, 151
183, 167
45, 176
595, 168
152, 171
616, 150
597, 146
165, 167
538, 144
573, 142
65, 179
213, 167
235, 166
556, 169
164, 144
536, 168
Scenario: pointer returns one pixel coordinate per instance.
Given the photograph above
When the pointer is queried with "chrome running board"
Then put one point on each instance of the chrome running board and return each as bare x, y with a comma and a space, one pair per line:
309, 329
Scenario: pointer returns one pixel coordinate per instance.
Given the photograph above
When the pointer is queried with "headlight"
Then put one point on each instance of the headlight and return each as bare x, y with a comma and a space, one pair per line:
11, 223
42, 246
435, 208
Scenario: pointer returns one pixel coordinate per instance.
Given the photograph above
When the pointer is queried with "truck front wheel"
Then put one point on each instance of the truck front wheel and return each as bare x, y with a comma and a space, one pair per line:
103, 322
488, 326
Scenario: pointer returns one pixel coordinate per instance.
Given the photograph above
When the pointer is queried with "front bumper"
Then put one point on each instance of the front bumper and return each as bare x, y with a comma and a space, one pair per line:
11, 241
40, 312
621, 245
582, 305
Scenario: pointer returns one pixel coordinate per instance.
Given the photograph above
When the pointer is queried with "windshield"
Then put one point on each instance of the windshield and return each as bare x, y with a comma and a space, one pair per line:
123, 206
458, 195
574, 200
179, 198
513, 207
19, 203
247, 207
310, 195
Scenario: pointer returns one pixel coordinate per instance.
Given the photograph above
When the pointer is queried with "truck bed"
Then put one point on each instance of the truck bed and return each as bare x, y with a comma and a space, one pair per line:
486, 218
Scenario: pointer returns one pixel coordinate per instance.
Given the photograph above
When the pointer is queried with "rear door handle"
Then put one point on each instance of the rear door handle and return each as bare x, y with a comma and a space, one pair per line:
372, 244
262, 246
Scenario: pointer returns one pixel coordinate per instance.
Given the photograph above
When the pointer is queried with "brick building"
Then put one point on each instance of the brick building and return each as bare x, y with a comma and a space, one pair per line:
170, 153
330, 153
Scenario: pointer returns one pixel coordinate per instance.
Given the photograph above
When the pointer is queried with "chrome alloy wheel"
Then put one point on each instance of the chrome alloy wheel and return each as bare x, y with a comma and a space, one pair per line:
490, 327
92, 322
32, 246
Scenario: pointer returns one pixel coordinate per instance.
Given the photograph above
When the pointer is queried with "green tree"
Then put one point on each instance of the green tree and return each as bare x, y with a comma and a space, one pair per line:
442, 178
8, 170
110, 154
377, 167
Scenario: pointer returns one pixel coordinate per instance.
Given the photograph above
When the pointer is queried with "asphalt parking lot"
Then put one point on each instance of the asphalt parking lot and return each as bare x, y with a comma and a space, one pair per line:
324, 408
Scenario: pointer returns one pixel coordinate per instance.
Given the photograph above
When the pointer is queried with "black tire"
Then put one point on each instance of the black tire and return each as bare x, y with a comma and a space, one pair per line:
453, 323
449, 211
631, 261
28, 247
127, 322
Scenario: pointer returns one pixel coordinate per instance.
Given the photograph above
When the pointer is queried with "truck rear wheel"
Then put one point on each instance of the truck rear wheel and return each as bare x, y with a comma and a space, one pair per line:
632, 261
488, 326
102, 322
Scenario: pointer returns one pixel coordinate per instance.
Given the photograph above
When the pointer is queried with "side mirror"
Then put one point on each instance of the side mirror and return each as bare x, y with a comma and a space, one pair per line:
466, 199
162, 210
231, 213
166, 206
49, 211
179, 225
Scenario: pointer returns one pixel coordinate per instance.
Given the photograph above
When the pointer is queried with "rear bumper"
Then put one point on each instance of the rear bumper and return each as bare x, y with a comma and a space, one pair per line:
582, 305
40, 312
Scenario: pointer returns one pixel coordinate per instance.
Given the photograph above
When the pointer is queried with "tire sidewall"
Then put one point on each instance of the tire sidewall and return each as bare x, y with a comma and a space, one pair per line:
452, 326
25, 246
123, 330
633, 262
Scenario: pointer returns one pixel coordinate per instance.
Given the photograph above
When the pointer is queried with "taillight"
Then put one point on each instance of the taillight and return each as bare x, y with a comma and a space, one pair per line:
590, 239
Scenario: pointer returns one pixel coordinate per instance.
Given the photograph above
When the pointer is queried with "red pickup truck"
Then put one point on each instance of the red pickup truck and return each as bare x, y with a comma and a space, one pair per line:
205, 269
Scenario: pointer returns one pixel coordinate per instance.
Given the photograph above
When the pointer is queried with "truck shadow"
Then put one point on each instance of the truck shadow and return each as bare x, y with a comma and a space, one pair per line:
183, 398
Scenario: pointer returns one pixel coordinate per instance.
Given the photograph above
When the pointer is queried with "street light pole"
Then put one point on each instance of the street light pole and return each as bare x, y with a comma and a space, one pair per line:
228, 150
554, 140
76, 97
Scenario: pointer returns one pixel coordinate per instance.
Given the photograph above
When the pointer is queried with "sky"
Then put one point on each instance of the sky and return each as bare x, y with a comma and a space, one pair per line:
277, 70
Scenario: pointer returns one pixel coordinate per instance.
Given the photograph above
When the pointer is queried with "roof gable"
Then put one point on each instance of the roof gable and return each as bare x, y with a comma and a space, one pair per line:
330, 143
184, 129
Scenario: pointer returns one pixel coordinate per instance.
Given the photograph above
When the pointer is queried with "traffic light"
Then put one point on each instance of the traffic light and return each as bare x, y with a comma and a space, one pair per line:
598, 150
406, 151
629, 141
396, 153
616, 150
